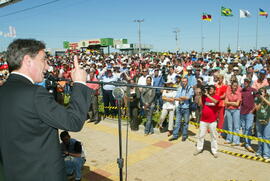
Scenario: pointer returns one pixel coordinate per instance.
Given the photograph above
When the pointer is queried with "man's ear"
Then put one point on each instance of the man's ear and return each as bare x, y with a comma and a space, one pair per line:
26, 62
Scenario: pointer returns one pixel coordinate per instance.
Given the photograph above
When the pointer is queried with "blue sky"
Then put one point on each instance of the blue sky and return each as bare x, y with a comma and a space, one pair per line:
75, 20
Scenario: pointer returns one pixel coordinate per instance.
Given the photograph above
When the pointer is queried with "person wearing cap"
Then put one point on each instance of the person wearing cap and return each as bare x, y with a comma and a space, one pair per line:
250, 75
247, 112
262, 103
178, 79
261, 82
158, 81
168, 107
192, 81
236, 73
93, 112
205, 74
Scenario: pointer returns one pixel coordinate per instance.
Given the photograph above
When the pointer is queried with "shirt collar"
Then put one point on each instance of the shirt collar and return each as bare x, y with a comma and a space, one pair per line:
21, 74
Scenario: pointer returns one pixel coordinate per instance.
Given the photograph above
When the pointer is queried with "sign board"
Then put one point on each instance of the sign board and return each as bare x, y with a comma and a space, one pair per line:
84, 43
73, 45
123, 46
94, 42
106, 41
66, 44
7, 2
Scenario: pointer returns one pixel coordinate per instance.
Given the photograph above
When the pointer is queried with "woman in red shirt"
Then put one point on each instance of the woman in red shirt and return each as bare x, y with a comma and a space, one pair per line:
232, 103
220, 91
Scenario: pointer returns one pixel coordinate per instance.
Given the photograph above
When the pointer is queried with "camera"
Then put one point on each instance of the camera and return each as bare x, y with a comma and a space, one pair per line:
205, 88
257, 93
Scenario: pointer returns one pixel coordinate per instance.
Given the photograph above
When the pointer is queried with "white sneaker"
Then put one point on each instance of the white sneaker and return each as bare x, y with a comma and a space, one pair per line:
267, 159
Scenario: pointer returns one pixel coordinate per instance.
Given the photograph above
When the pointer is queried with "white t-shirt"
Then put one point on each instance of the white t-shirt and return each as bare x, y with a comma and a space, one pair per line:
169, 94
142, 80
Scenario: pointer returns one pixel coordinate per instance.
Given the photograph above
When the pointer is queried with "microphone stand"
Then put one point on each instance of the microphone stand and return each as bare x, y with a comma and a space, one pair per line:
120, 160
118, 94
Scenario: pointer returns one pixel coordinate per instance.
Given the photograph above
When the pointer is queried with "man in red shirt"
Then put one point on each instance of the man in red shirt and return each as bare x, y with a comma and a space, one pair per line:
209, 103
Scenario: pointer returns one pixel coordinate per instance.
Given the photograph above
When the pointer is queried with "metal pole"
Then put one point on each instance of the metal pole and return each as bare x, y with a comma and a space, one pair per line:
219, 31
202, 45
139, 33
237, 41
257, 30
140, 46
176, 31
120, 160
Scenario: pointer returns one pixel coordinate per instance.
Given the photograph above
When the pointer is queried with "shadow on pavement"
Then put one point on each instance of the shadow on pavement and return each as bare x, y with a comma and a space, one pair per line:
92, 175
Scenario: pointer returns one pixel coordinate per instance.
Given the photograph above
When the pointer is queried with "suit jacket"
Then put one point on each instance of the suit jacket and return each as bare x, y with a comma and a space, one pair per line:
30, 119
148, 96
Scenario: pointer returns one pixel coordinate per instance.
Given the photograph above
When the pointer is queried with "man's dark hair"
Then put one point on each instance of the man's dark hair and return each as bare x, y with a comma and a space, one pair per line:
63, 134
19, 48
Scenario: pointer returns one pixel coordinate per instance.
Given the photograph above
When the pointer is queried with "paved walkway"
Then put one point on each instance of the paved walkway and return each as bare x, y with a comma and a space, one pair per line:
153, 158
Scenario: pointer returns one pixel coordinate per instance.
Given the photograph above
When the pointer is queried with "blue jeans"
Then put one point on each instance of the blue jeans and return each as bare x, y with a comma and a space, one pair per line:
246, 124
74, 165
158, 100
233, 122
180, 113
149, 124
263, 131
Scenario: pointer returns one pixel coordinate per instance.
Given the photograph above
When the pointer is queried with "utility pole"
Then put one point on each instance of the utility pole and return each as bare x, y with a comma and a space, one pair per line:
176, 31
139, 21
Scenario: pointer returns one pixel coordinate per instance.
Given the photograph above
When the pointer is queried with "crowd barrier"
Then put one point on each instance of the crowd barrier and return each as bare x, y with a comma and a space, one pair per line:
197, 124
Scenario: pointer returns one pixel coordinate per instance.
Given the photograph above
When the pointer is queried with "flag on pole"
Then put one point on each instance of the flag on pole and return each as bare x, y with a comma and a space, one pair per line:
263, 13
226, 11
244, 13
206, 17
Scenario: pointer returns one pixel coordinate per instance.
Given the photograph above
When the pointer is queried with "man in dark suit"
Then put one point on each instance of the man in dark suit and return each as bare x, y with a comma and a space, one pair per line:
30, 117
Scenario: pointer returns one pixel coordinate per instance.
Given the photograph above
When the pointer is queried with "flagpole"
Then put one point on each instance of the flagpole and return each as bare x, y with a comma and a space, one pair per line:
257, 30
202, 46
219, 33
237, 42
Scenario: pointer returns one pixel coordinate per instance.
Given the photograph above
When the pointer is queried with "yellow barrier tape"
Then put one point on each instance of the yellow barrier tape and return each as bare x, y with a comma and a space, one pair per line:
112, 107
116, 117
237, 134
240, 155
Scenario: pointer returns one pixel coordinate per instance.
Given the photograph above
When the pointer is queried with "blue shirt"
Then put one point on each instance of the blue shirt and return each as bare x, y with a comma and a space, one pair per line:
108, 79
258, 67
191, 80
158, 81
185, 92
43, 83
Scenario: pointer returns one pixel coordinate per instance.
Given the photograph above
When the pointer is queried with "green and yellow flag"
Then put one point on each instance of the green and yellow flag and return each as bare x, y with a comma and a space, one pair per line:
226, 11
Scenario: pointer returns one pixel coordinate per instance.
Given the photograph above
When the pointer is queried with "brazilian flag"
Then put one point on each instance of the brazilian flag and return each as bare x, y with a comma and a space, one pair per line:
226, 11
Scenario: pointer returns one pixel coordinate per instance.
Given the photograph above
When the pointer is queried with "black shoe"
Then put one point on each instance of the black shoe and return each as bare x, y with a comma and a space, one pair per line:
97, 121
172, 138
184, 139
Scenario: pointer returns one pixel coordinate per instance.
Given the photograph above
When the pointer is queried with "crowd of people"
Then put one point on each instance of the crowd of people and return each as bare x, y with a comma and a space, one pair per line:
217, 90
